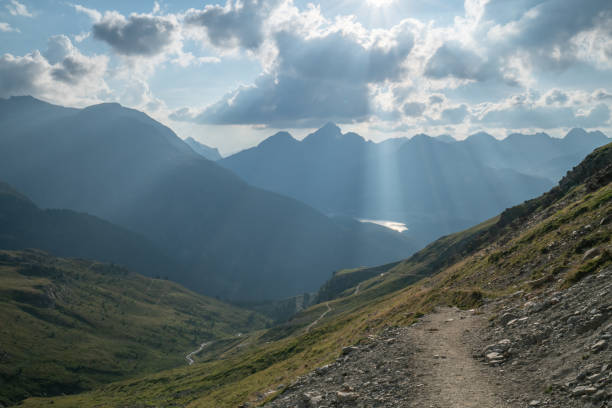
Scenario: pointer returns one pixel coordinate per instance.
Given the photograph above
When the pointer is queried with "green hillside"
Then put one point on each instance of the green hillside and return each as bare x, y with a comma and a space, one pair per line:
69, 324
540, 244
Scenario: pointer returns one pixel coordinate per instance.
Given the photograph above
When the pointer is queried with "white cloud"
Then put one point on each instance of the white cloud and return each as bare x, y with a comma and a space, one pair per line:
62, 75
82, 36
185, 59
240, 23
18, 9
7, 28
94, 15
550, 111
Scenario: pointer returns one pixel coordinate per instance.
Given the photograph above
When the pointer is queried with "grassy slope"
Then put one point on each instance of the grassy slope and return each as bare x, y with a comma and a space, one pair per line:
539, 243
69, 325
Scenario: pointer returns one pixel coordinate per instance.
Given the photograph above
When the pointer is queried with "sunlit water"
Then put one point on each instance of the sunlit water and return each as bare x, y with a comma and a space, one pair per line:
394, 225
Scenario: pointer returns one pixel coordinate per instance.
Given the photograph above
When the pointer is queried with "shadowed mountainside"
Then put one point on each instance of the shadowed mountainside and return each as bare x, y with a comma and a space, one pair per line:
234, 240
68, 233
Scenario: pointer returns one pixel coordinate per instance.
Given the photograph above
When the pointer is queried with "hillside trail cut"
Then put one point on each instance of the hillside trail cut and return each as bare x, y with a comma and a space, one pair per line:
313, 324
427, 365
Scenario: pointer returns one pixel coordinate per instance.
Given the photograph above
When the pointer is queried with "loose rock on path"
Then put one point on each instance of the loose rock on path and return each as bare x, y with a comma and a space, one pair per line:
429, 364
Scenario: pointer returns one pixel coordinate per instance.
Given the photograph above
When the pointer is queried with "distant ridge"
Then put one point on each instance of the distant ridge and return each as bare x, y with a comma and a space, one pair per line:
435, 185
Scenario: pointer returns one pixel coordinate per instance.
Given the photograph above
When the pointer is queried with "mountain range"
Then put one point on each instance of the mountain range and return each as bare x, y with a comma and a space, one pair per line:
230, 239
210, 153
533, 283
435, 186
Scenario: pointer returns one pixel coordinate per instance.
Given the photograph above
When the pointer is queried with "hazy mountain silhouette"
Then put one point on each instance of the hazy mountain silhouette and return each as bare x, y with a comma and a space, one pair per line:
68, 233
435, 185
537, 154
210, 153
119, 164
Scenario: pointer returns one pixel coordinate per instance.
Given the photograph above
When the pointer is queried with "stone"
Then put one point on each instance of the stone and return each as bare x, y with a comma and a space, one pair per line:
583, 390
506, 317
599, 346
600, 395
346, 396
312, 398
348, 350
595, 377
322, 370
494, 356
504, 344
534, 403
591, 253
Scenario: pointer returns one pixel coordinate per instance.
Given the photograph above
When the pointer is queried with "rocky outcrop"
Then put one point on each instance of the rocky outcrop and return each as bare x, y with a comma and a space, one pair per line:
558, 339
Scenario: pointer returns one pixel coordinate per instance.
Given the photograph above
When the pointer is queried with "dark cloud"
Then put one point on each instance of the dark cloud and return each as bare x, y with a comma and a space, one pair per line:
543, 26
542, 23
286, 101
236, 24
70, 66
18, 75
318, 79
556, 96
545, 117
138, 35
414, 109
454, 60
538, 32
71, 70
340, 58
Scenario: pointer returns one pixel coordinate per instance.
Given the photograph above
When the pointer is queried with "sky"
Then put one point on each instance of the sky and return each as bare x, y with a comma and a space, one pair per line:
231, 73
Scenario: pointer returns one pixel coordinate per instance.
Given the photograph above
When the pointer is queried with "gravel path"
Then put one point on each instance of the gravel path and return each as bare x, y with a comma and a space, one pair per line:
429, 365
449, 376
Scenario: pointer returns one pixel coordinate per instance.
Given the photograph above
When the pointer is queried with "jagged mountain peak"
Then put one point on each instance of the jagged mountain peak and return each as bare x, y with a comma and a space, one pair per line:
331, 132
282, 137
579, 134
210, 153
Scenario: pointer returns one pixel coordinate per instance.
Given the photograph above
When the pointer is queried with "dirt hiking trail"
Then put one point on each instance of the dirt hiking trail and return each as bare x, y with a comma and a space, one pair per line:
449, 376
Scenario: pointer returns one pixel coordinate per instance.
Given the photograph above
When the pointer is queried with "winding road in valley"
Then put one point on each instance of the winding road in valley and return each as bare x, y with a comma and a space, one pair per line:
189, 357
